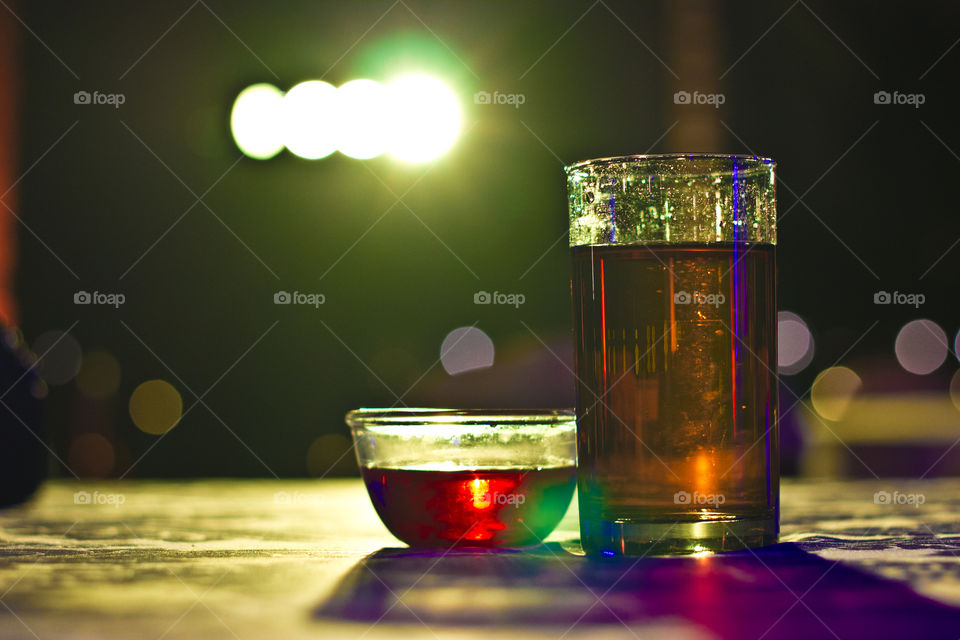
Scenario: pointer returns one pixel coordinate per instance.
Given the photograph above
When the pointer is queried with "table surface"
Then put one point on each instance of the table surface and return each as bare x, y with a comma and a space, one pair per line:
292, 559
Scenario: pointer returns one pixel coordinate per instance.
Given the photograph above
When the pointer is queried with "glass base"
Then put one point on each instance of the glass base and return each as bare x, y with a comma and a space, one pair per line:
674, 538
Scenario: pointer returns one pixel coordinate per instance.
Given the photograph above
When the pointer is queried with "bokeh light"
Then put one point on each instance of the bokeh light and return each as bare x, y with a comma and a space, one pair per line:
363, 119
415, 118
955, 390
310, 119
833, 391
921, 346
424, 118
59, 356
466, 349
91, 456
956, 346
330, 454
795, 343
99, 375
155, 407
256, 121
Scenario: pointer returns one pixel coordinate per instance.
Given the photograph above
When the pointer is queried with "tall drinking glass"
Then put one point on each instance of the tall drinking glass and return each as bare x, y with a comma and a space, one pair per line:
674, 308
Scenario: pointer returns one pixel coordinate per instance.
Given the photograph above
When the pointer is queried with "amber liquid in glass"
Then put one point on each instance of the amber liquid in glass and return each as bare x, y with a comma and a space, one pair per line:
676, 397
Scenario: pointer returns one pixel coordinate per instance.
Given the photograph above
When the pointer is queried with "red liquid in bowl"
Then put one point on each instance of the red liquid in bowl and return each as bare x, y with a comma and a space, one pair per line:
478, 508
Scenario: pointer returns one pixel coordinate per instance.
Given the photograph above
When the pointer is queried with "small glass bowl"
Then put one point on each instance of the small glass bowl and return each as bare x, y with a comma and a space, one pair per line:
467, 477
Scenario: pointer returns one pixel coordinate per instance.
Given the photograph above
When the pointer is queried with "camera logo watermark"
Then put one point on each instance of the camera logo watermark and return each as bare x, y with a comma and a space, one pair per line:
697, 498
488, 499
485, 97
112, 99
685, 97
312, 299
912, 99
886, 497
110, 299
912, 299
297, 498
712, 299
485, 297
85, 497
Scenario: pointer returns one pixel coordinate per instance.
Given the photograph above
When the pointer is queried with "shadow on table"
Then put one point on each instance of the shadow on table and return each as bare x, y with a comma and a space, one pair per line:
774, 592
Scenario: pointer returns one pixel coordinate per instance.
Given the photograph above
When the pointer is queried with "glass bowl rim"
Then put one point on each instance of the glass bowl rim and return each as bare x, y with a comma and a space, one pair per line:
483, 418
756, 161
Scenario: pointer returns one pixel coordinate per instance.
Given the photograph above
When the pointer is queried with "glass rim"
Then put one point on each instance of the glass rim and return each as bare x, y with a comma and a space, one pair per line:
490, 418
599, 162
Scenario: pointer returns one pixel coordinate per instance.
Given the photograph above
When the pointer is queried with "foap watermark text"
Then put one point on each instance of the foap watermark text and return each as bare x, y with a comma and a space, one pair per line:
512, 99
512, 299
489, 499
697, 498
86, 497
297, 297
98, 297
698, 297
712, 99
911, 99
296, 498
897, 297
899, 498
112, 99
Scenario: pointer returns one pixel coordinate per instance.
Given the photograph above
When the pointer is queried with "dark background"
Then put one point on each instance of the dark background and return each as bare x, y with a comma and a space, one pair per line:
878, 208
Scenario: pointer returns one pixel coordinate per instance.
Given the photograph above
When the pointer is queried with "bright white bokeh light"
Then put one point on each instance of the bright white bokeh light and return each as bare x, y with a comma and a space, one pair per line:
424, 118
256, 121
415, 118
362, 119
466, 349
921, 346
310, 119
833, 391
794, 343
